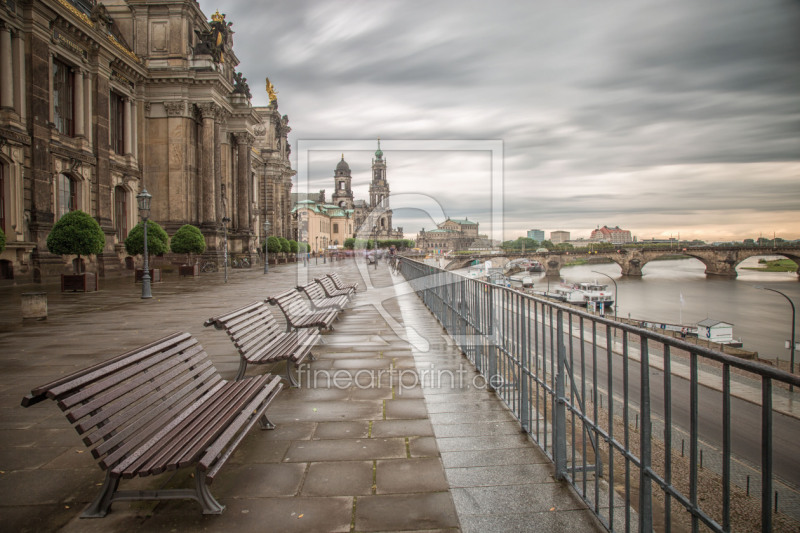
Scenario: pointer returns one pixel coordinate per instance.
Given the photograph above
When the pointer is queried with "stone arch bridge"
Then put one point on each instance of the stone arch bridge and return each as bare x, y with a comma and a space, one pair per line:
719, 261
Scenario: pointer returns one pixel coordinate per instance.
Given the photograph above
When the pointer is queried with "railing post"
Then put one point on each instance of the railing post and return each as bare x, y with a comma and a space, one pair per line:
645, 486
491, 376
560, 407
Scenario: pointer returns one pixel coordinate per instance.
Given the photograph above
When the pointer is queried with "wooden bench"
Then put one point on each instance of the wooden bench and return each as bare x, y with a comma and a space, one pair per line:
339, 284
331, 290
321, 301
299, 314
157, 408
260, 340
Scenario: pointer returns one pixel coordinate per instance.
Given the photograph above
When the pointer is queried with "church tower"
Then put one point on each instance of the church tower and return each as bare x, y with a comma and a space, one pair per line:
379, 194
343, 193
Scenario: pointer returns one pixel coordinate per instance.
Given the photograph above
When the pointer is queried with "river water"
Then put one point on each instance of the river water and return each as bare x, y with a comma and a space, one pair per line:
761, 319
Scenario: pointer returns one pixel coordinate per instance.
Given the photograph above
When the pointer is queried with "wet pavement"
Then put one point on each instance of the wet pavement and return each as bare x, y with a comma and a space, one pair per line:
374, 440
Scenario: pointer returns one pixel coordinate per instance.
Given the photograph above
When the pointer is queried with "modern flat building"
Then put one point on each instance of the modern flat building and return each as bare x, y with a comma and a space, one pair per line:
613, 235
536, 234
99, 101
558, 237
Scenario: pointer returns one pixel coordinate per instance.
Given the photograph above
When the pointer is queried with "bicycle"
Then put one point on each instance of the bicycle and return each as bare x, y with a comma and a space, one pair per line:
208, 266
244, 262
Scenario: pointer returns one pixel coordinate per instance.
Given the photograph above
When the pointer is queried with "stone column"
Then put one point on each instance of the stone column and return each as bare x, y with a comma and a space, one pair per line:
209, 192
51, 88
19, 75
79, 102
87, 106
244, 141
134, 130
128, 134
6, 69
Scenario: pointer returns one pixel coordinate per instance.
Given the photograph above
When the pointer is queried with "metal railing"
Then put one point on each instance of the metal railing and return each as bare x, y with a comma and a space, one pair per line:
611, 403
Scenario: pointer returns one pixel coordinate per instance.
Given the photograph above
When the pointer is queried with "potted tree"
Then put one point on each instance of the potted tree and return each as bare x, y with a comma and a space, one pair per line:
77, 233
293, 250
157, 244
188, 240
273, 247
285, 248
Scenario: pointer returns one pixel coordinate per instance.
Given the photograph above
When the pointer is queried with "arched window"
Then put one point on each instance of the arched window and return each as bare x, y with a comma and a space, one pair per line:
63, 97
121, 213
67, 195
383, 222
341, 185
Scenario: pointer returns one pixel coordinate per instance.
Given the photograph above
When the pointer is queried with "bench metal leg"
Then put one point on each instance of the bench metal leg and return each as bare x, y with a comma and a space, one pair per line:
102, 503
242, 368
204, 497
293, 382
264, 422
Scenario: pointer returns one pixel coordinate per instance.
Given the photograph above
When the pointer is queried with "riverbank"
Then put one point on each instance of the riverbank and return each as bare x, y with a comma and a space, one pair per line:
776, 265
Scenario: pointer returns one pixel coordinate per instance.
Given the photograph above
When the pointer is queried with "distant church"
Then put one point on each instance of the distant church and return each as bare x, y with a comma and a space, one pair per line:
344, 217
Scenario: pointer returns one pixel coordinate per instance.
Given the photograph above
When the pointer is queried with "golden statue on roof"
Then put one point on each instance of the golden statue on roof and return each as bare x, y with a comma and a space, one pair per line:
271, 91
217, 17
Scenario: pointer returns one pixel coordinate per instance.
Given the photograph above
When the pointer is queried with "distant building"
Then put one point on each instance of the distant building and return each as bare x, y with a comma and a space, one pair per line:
613, 235
450, 235
557, 237
536, 234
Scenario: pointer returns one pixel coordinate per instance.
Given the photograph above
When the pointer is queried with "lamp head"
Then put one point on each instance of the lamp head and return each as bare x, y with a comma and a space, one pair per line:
143, 199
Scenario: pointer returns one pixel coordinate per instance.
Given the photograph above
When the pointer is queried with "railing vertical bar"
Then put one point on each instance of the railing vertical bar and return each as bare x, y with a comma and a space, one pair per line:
726, 447
584, 429
626, 425
645, 486
693, 444
610, 395
766, 454
595, 419
559, 404
667, 437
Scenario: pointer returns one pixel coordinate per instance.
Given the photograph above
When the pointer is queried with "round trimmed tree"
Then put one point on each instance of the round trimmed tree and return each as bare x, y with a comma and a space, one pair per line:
293, 247
302, 247
76, 233
273, 245
187, 240
157, 240
285, 247
2, 241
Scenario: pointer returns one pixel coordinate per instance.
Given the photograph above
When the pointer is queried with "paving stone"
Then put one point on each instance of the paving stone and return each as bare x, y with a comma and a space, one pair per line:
410, 475
337, 478
402, 428
260, 480
405, 512
406, 408
342, 430
345, 450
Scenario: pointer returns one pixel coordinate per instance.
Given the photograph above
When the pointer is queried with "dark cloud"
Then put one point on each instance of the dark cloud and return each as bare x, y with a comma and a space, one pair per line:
602, 94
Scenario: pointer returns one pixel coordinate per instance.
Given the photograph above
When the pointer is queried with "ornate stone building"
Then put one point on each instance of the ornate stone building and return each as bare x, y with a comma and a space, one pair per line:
451, 235
99, 100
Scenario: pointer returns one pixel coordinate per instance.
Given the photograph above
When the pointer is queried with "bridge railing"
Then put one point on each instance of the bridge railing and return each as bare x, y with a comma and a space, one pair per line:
624, 413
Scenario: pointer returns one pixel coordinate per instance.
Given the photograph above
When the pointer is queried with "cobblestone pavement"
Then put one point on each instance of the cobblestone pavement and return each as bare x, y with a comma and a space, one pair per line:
363, 445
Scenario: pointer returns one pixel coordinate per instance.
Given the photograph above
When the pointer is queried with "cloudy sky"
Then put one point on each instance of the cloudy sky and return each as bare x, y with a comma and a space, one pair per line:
663, 117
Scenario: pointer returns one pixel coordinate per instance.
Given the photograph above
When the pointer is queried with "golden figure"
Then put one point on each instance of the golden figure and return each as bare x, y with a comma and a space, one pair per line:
271, 91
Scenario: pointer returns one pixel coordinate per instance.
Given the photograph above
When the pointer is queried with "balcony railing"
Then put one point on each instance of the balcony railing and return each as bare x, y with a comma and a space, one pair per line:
624, 413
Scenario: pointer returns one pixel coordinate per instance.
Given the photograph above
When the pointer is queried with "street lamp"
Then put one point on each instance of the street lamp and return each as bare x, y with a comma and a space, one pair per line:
225, 221
324, 250
266, 247
143, 199
616, 292
792, 346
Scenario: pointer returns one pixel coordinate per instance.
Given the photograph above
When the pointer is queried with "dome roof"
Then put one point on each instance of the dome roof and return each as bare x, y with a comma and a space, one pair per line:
379, 152
343, 165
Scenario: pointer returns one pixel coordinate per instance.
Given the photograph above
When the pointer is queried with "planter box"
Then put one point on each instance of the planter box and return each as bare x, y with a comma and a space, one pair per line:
85, 282
155, 275
189, 270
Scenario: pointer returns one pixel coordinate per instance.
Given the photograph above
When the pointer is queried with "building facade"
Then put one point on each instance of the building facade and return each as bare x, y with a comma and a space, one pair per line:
613, 235
327, 225
536, 234
558, 237
450, 236
101, 100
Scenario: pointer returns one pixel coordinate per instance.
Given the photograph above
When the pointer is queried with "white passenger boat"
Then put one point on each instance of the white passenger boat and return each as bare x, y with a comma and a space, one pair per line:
583, 294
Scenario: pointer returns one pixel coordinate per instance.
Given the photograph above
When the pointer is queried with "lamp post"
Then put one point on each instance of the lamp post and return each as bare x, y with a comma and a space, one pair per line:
792, 346
316, 250
143, 199
616, 291
225, 221
375, 244
266, 247
324, 250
